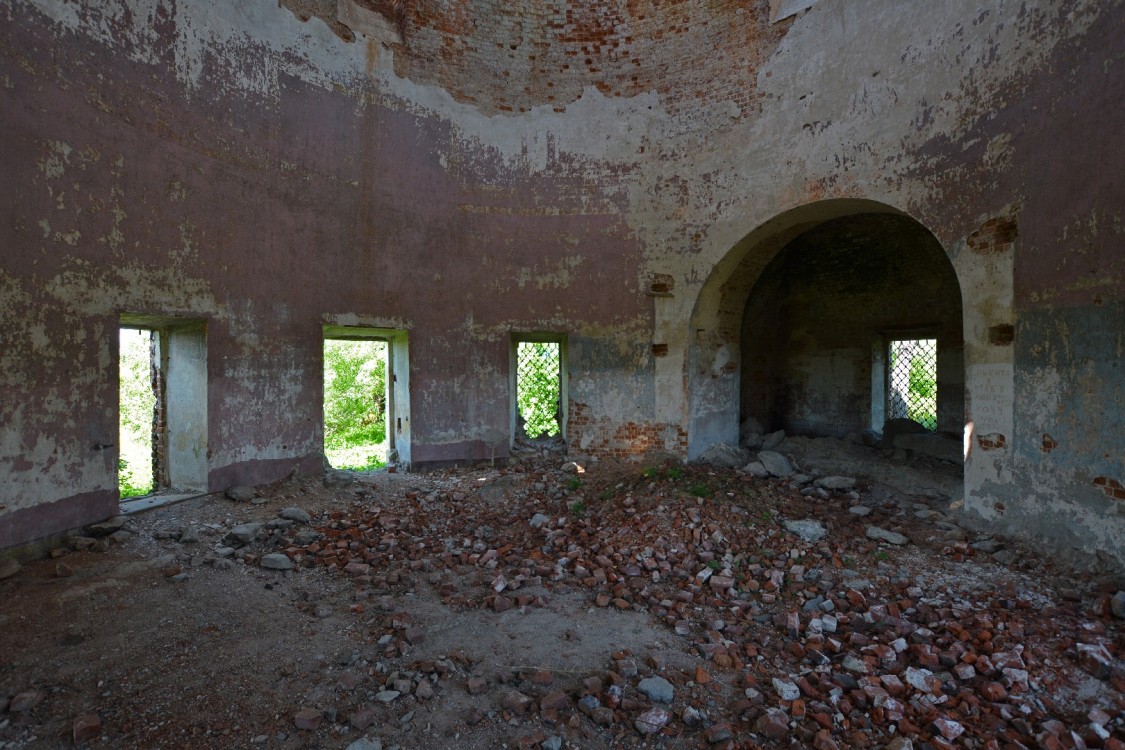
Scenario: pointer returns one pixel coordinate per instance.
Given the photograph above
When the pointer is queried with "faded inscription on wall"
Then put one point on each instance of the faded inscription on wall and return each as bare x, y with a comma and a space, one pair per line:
991, 394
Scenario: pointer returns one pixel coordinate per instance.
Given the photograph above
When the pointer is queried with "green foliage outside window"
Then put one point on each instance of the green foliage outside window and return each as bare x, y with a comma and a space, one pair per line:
538, 387
137, 401
355, 404
922, 396
913, 367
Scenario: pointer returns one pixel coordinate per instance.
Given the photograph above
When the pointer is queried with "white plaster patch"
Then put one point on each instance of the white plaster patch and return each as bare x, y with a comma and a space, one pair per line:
129, 24
556, 278
991, 398
53, 477
54, 164
1042, 402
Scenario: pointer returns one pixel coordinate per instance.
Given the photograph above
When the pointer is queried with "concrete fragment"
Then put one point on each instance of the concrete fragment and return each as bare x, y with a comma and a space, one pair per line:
772, 440
365, 743
882, 535
987, 546
786, 690
853, 663
756, 469
775, 463
836, 483
949, 729
240, 494
107, 527
808, 529
922, 680
724, 455
300, 515
657, 689
242, 534
1117, 604
277, 561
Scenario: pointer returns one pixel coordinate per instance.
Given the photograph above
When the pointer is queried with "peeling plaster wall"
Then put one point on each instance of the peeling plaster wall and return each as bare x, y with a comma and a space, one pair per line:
267, 175
261, 175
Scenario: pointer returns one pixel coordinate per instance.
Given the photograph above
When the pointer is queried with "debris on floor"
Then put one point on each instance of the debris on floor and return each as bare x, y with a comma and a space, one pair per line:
552, 605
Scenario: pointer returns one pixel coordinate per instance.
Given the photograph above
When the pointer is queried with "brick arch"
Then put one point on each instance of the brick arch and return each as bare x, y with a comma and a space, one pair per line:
714, 356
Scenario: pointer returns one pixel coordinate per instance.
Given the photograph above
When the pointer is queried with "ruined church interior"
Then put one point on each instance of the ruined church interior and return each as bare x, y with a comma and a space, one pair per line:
731, 374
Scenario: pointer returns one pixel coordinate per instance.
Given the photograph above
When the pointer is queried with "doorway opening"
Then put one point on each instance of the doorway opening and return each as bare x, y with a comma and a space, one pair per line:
912, 387
366, 397
140, 395
539, 402
356, 417
162, 406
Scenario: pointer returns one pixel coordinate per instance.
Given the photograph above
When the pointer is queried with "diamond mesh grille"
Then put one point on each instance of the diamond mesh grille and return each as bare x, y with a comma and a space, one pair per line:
912, 392
538, 387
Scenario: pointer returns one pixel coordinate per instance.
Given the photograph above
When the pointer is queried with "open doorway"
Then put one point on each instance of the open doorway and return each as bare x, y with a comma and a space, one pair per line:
539, 401
356, 418
139, 392
162, 406
366, 397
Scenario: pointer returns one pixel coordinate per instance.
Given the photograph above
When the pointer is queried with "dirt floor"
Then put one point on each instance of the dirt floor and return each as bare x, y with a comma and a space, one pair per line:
553, 605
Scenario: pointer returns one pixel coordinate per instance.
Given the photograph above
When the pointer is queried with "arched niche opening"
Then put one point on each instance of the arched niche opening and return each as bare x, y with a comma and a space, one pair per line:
796, 327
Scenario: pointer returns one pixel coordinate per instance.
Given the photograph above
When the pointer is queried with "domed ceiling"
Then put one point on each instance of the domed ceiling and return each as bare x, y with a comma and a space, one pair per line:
514, 55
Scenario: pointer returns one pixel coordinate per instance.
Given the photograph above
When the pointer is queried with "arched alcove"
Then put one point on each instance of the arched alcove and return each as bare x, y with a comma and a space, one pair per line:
793, 325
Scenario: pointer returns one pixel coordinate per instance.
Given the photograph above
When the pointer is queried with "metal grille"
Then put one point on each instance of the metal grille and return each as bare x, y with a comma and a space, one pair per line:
912, 385
538, 389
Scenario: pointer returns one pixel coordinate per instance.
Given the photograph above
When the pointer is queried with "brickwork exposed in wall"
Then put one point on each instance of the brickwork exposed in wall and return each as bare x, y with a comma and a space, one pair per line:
513, 55
1111, 487
994, 236
614, 439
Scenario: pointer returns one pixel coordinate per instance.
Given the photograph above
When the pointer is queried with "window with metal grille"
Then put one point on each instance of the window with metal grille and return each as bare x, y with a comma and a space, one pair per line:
539, 388
912, 381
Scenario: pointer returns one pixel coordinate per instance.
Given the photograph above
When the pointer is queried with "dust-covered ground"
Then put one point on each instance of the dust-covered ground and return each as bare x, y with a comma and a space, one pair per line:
549, 604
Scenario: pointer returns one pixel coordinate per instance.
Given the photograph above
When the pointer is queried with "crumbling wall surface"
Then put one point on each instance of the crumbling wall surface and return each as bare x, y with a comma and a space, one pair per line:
989, 129
1044, 253
467, 170
235, 165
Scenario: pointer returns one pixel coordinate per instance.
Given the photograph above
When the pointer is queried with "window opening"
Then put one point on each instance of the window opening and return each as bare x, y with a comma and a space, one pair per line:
912, 381
539, 405
356, 414
139, 413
